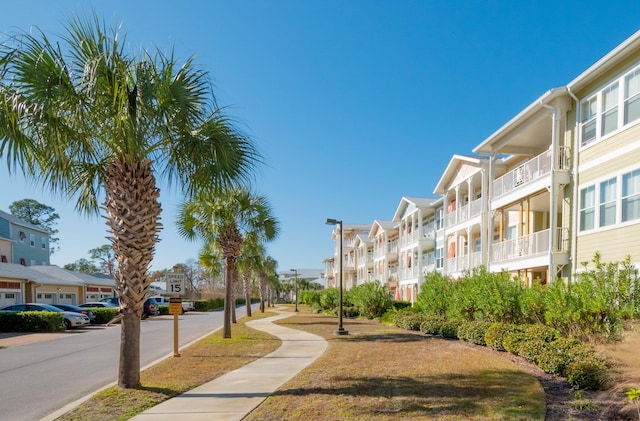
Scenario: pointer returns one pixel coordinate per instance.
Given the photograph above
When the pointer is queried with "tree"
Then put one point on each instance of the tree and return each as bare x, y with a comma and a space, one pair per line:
98, 124
83, 266
248, 264
223, 218
104, 255
266, 270
40, 215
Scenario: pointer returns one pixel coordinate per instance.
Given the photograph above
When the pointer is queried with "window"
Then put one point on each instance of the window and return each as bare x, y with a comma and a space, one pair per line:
10, 296
43, 243
589, 113
32, 240
587, 208
631, 196
440, 258
439, 218
22, 236
609, 109
608, 202
632, 97
4, 259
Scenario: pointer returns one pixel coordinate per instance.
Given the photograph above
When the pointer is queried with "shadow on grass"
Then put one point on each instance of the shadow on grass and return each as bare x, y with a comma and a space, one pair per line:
160, 390
502, 393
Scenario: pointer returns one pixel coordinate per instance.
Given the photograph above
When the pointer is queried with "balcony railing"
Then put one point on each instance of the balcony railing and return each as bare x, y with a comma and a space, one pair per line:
466, 212
529, 245
531, 170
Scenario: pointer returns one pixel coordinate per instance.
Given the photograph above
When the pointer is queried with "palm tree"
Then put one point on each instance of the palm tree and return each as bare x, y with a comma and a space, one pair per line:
249, 263
97, 124
223, 218
266, 269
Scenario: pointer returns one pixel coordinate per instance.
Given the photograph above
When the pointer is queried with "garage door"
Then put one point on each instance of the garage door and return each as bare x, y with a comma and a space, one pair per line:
8, 298
45, 297
67, 298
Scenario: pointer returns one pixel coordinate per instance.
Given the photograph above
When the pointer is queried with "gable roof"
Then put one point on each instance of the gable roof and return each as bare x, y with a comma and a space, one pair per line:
453, 168
76, 277
20, 222
418, 202
27, 273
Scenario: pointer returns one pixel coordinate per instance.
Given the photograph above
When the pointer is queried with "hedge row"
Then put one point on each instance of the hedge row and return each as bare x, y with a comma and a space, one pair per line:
31, 321
542, 345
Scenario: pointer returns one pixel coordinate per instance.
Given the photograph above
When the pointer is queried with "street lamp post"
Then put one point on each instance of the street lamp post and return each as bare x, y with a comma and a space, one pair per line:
340, 330
295, 271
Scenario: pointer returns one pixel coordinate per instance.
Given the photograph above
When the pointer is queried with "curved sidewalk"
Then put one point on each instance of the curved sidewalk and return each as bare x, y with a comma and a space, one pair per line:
235, 394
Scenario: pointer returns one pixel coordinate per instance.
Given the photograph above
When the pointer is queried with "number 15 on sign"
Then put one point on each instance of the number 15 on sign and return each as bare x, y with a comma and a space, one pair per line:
175, 283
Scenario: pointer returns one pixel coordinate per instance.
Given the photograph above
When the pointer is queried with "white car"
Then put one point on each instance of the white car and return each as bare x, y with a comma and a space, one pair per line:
71, 319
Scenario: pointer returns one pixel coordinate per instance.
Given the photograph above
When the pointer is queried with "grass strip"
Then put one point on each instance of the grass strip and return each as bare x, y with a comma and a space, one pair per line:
199, 363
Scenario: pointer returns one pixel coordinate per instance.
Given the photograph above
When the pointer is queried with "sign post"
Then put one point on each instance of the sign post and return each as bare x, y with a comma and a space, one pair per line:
175, 287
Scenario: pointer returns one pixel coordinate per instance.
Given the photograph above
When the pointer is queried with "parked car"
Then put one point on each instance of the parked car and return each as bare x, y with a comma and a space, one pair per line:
149, 308
164, 301
71, 319
97, 304
70, 307
111, 300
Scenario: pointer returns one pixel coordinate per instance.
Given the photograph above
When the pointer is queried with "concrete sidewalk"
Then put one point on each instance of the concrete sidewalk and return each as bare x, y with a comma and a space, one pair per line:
234, 395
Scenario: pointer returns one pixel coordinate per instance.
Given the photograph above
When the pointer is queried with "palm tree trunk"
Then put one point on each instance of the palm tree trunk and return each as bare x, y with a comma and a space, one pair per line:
235, 295
262, 284
229, 270
133, 214
129, 368
246, 286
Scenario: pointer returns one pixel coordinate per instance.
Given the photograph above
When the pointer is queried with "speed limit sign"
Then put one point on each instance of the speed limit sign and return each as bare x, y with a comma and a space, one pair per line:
175, 283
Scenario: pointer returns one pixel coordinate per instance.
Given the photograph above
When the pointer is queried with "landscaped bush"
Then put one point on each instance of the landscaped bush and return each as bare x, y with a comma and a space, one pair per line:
104, 315
210, 304
589, 373
557, 355
431, 325
31, 321
449, 329
409, 319
311, 298
473, 331
330, 298
399, 305
371, 299
497, 332
434, 298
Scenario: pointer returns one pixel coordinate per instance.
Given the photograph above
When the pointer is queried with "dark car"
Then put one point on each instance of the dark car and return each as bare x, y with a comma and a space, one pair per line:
149, 308
70, 307
71, 318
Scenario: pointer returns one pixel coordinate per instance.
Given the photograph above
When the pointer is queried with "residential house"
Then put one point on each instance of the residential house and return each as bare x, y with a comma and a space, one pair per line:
29, 244
416, 222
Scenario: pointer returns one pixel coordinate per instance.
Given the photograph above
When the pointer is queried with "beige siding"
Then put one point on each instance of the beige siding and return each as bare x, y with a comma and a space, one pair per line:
615, 72
610, 162
614, 245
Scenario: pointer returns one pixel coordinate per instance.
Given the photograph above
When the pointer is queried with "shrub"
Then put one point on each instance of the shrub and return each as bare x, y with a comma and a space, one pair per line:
449, 329
399, 305
473, 331
431, 325
409, 319
531, 349
371, 299
557, 355
210, 304
434, 298
496, 334
330, 298
31, 321
513, 341
589, 373
311, 298
105, 315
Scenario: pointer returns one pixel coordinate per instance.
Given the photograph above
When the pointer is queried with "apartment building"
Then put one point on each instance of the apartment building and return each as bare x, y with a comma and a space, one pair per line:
365, 259
384, 234
604, 129
464, 189
349, 255
415, 218
556, 184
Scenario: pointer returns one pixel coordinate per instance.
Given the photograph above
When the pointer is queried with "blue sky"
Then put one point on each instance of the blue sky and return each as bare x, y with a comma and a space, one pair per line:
353, 104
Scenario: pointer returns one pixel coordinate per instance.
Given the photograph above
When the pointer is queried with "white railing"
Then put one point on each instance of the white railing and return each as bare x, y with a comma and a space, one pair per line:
531, 170
529, 245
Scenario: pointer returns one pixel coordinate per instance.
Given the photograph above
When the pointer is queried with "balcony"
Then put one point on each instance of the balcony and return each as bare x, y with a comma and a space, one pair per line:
532, 170
529, 245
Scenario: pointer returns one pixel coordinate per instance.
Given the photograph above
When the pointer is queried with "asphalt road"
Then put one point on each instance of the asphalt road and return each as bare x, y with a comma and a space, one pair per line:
38, 379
